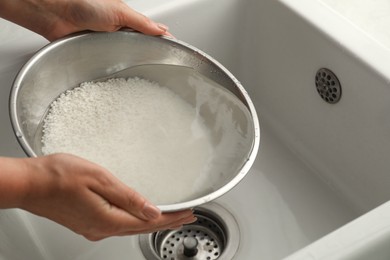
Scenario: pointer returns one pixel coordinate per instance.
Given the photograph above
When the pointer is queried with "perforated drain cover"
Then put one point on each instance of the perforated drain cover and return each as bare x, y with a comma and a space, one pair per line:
204, 233
328, 86
215, 235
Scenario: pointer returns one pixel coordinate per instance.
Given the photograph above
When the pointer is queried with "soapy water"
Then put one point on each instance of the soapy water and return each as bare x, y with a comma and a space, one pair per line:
172, 142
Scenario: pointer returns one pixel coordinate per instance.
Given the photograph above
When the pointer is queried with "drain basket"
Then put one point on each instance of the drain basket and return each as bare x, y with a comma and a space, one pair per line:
215, 235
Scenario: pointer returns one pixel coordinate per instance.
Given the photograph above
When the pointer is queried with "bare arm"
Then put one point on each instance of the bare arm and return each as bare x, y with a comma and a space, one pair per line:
71, 191
82, 196
56, 18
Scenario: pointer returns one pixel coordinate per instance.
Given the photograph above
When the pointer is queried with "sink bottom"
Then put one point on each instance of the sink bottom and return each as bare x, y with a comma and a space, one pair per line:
281, 205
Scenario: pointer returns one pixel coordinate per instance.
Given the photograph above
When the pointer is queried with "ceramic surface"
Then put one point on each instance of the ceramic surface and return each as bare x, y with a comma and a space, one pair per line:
316, 187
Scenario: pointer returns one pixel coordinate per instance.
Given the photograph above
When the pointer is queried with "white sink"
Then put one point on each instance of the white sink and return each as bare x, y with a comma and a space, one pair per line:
319, 187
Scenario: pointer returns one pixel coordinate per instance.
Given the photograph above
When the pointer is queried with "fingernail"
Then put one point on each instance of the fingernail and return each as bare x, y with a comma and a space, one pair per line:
151, 211
162, 27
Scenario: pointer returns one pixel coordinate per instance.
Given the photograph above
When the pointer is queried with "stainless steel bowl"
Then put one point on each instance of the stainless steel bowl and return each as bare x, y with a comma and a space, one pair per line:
66, 63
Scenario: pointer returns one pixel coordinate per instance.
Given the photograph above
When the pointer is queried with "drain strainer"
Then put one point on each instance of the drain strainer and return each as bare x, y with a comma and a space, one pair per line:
328, 86
215, 235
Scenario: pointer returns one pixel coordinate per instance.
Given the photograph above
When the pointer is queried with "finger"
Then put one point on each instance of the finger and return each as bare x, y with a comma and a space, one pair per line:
147, 230
125, 198
126, 224
184, 221
164, 221
141, 23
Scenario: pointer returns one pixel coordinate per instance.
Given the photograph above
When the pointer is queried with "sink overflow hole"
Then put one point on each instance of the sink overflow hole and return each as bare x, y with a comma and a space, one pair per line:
328, 86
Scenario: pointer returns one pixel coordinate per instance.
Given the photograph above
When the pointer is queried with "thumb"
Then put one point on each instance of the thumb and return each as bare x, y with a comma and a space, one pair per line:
137, 21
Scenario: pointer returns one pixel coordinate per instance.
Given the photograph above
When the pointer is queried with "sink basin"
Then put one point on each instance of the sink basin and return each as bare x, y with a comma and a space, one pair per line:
320, 184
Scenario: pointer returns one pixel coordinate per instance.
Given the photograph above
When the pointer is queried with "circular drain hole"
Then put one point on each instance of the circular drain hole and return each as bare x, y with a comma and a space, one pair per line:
215, 235
328, 86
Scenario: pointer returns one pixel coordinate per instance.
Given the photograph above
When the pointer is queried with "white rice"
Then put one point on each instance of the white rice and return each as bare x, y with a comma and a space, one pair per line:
143, 133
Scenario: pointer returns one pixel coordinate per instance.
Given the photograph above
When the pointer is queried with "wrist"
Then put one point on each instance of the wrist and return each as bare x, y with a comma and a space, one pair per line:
15, 179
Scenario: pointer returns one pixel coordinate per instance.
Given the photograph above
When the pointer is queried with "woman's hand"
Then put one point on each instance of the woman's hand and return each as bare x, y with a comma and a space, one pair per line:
82, 196
54, 19
69, 190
